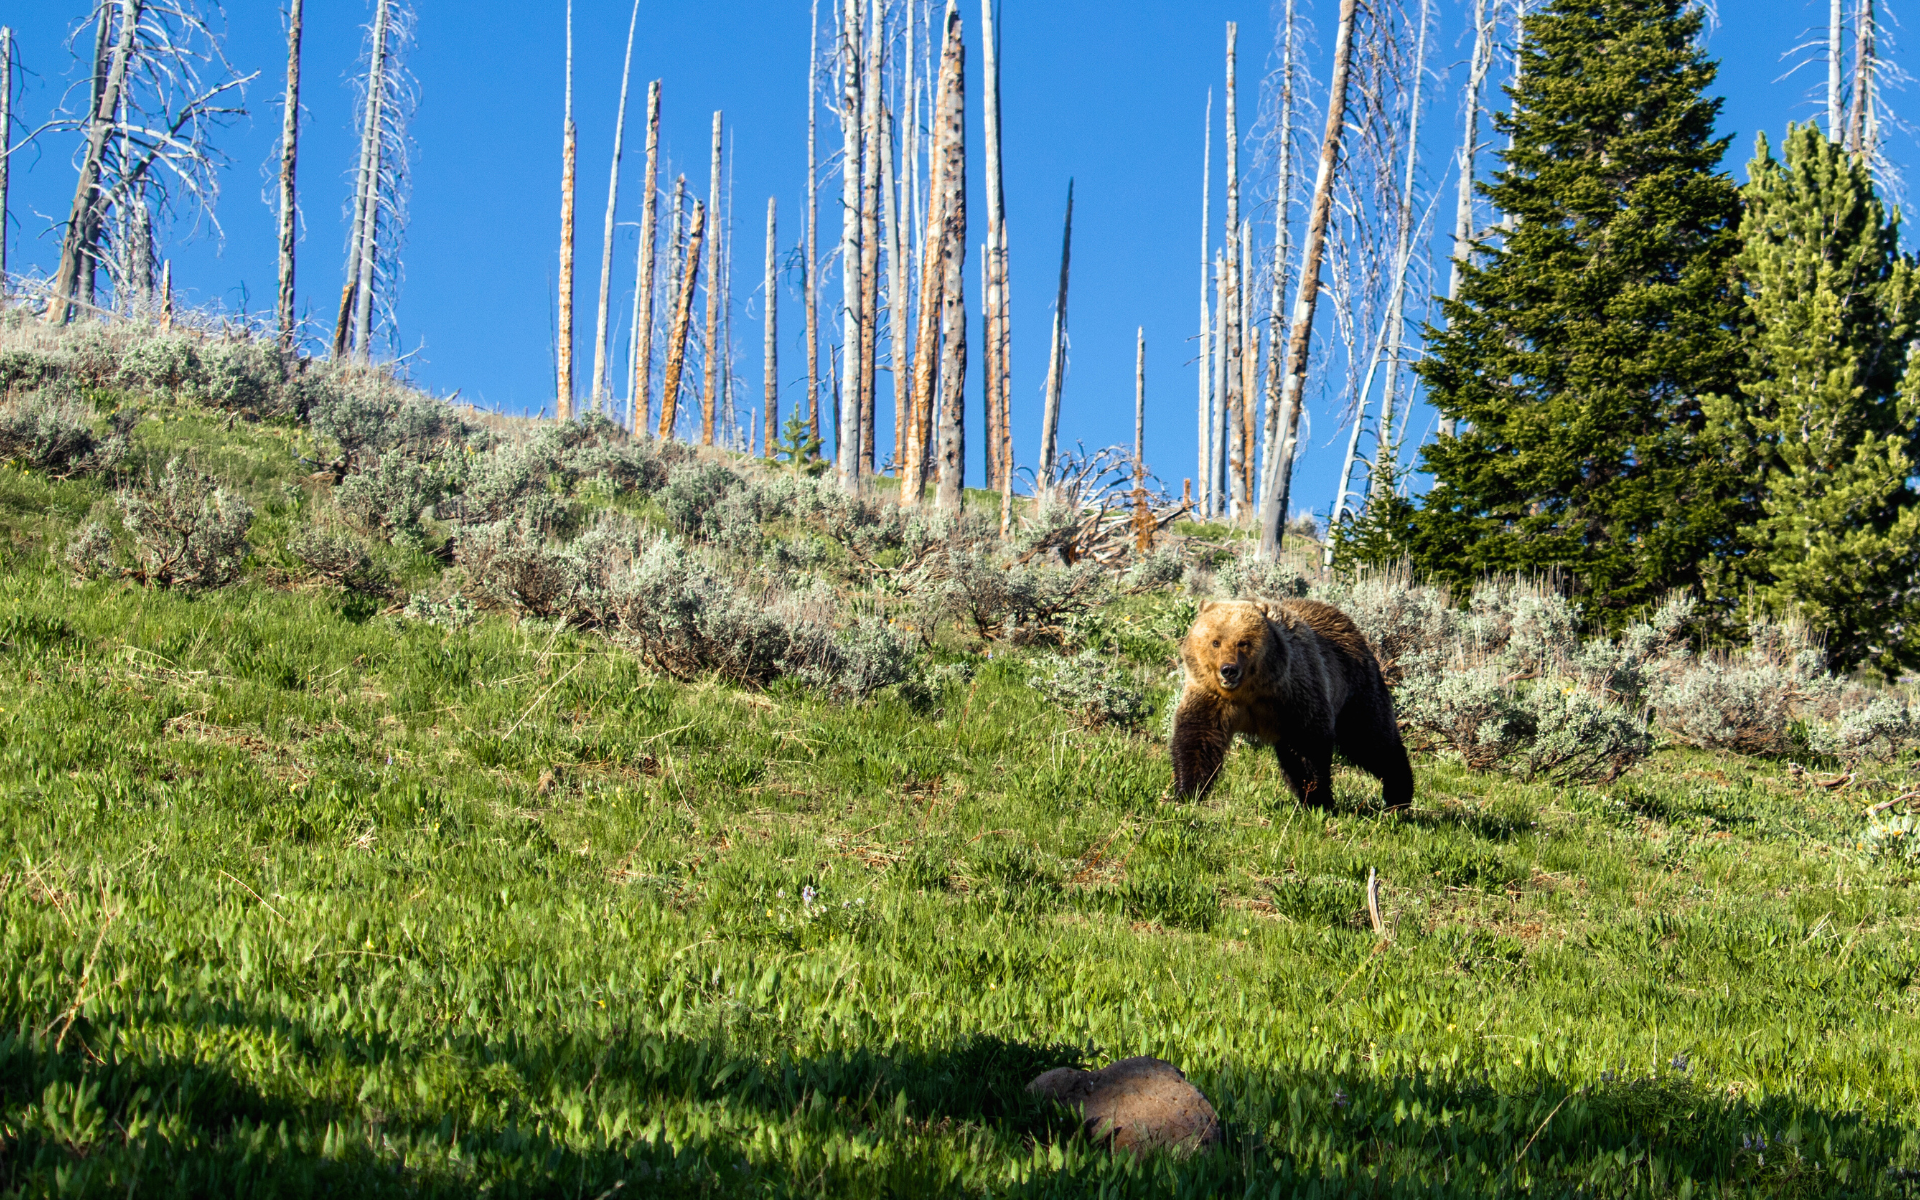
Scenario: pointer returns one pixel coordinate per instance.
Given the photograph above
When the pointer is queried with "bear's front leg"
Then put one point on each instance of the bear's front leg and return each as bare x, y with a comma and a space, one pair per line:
1308, 767
1200, 741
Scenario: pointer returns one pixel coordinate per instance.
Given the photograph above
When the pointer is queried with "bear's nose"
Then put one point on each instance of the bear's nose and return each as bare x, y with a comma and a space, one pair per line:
1230, 674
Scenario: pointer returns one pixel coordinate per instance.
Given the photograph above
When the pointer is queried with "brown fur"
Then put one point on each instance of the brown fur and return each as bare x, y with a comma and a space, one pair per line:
1297, 675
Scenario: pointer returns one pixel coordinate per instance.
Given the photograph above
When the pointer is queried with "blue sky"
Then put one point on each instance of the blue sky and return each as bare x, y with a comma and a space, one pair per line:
1112, 95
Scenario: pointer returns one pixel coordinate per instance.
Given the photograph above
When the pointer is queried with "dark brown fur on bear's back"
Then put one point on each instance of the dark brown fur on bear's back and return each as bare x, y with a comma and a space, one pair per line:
1299, 676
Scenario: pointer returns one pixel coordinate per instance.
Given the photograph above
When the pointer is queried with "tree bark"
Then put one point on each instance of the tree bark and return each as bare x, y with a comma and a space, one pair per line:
1387, 446
1056, 359
1483, 28
1217, 487
1282, 254
563, 388
78, 246
602, 365
709, 360
953, 358
871, 102
926, 345
899, 353
370, 227
1205, 472
6, 142
992, 366
771, 350
1859, 115
1301, 339
1249, 337
289, 151
847, 440
682, 318
642, 385
1836, 36
811, 280
1229, 320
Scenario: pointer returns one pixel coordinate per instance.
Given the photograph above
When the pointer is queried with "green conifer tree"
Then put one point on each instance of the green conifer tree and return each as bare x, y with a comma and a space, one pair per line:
1590, 325
1824, 422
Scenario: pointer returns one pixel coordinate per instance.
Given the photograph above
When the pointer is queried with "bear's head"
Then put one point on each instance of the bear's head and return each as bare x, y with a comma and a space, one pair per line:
1231, 642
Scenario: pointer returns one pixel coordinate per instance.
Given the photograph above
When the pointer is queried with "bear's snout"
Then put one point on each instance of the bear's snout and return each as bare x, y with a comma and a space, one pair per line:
1230, 674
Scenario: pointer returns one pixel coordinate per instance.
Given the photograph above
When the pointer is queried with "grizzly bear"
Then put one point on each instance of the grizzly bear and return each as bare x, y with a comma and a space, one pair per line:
1297, 675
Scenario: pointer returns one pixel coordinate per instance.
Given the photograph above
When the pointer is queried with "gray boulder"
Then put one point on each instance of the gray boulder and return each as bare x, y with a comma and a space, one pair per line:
1135, 1104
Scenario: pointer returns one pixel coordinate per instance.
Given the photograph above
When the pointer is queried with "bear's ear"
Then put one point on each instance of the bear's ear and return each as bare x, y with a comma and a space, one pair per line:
1207, 604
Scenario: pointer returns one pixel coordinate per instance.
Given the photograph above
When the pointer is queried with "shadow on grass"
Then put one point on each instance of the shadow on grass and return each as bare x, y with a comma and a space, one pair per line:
591, 1115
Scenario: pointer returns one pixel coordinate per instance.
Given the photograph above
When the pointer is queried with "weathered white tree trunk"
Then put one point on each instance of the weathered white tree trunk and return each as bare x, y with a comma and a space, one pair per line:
872, 101
1217, 435
563, 385
602, 365
847, 435
370, 227
1229, 319
926, 344
710, 361
1386, 451
1205, 474
810, 283
1274, 507
1056, 360
1836, 41
1861, 137
682, 318
771, 349
6, 139
953, 358
1282, 253
899, 352
78, 246
1485, 19
994, 365
289, 153
642, 386
1249, 370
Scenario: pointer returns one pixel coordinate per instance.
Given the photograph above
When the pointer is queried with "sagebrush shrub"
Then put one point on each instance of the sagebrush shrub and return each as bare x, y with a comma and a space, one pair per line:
1162, 567
50, 430
390, 500
1260, 579
514, 565
160, 362
341, 559
23, 367
1096, 690
188, 531
245, 375
454, 612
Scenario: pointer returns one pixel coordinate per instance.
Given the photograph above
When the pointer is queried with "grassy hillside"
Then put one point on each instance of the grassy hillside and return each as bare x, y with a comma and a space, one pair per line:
299, 894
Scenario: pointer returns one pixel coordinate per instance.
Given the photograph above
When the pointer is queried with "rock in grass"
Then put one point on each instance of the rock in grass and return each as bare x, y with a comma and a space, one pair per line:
1135, 1104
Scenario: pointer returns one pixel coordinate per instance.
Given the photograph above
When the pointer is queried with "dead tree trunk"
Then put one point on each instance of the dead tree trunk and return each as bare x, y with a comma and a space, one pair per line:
893, 220
370, 228
1217, 436
78, 247
6, 140
1249, 339
1229, 320
926, 343
563, 388
1205, 471
1143, 522
953, 358
871, 102
289, 149
364, 178
643, 287
1484, 22
1301, 339
811, 280
993, 366
1836, 37
1056, 359
602, 366
1860, 138
771, 349
682, 318
709, 359
1385, 451
847, 438
1282, 255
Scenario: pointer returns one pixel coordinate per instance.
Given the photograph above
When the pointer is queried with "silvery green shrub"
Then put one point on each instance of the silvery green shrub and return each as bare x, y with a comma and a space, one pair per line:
390, 500
1097, 691
245, 375
51, 430
342, 559
188, 531
1162, 567
1246, 578
161, 362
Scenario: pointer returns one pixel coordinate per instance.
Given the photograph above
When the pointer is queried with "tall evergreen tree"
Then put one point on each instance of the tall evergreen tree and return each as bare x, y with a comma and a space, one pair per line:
1585, 333
1826, 422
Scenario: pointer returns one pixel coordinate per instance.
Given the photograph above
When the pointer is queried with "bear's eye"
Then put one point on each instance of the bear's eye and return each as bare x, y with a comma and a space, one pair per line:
1216, 643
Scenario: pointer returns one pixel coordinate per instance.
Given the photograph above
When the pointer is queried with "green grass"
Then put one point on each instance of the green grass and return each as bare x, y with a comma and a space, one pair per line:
297, 898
